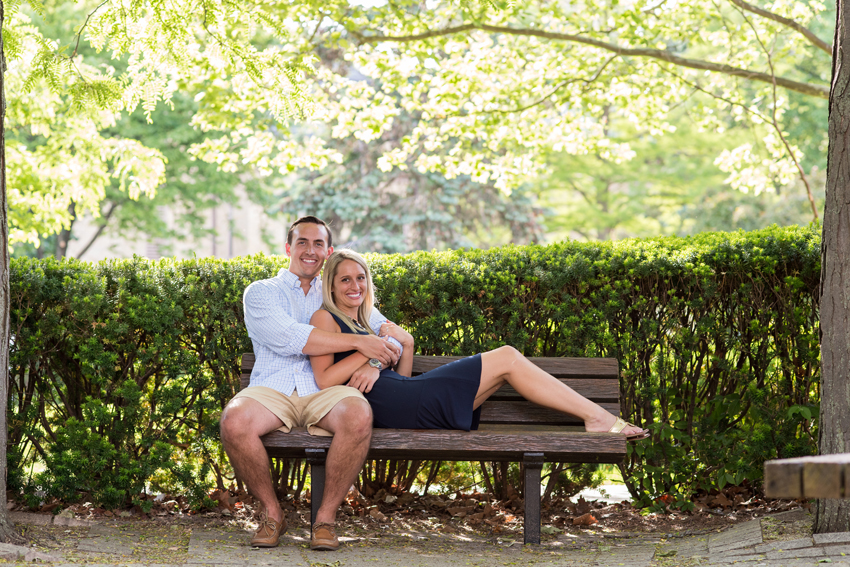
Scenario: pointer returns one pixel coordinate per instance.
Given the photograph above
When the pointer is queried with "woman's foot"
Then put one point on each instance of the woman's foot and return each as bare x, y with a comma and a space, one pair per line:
605, 422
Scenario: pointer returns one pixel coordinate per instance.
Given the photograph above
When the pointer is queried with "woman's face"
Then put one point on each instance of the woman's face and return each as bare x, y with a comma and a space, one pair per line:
349, 286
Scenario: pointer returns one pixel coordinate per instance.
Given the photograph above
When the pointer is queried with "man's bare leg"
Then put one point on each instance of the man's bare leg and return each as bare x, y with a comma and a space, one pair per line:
242, 423
351, 423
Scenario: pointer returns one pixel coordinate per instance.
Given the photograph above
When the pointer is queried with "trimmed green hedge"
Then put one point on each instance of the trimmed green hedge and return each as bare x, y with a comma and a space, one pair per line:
120, 369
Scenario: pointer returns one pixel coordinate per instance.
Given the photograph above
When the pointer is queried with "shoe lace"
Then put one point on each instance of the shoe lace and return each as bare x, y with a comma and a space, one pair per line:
267, 525
329, 528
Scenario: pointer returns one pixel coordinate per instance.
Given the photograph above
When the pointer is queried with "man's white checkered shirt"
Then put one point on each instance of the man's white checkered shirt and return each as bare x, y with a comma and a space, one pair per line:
277, 314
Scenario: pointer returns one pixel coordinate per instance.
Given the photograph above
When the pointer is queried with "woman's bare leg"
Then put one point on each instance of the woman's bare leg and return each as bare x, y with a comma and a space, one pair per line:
506, 364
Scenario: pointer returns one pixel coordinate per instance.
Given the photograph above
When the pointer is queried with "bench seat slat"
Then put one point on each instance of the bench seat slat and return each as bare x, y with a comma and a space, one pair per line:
570, 447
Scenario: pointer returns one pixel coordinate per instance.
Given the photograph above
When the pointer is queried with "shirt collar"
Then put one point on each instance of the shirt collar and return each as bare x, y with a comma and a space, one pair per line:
291, 280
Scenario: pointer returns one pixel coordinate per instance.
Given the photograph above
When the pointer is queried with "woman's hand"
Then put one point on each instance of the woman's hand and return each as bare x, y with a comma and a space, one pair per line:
364, 378
390, 329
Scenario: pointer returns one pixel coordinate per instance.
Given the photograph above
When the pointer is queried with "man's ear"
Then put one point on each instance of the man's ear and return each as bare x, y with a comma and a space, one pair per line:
330, 250
288, 252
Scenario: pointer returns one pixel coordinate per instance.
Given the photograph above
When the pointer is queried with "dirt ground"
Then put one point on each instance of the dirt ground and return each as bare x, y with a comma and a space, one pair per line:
458, 516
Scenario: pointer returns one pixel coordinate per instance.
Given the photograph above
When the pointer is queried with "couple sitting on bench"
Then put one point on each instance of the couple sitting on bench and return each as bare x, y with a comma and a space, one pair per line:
328, 361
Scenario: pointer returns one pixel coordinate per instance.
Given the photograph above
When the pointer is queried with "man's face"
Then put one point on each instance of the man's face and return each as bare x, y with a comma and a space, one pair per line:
308, 250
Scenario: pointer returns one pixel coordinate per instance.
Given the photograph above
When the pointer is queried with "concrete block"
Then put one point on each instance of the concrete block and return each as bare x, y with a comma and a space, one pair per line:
16, 553
71, 522
785, 545
231, 548
797, 553
838, 537
728, 559
30, 518
837, 549
742, 535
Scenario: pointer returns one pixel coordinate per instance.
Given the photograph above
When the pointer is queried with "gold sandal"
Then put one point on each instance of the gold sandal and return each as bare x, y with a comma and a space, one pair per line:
621, 424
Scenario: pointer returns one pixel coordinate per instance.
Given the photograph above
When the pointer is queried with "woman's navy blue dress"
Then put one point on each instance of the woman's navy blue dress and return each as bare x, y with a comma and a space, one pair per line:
439, 399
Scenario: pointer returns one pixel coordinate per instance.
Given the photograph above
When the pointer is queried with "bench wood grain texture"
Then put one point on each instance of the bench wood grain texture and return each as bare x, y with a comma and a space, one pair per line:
512, 429
820, 476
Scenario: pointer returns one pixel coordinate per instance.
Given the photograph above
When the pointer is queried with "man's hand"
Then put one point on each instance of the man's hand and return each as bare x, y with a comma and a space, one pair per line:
390, 329
364, 378
372, 346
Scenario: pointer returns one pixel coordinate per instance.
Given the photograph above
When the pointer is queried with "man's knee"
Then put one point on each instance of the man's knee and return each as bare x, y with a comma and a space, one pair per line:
235, 420
354, 416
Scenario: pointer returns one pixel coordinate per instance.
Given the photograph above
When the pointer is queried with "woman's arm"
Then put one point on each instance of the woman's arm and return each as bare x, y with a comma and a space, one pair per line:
327, 373
405, 362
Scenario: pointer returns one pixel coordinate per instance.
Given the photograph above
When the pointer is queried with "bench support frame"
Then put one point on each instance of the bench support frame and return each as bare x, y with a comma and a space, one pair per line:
533, 463
533, 467
316, 458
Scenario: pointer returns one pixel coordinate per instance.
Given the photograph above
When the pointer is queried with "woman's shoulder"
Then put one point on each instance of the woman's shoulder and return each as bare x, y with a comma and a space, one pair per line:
324, 320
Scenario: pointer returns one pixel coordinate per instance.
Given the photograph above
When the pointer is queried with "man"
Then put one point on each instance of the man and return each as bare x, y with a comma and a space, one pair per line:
283, 393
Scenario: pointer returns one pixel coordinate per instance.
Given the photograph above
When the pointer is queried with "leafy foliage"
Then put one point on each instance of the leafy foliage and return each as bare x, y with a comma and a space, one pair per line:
717, 338
496, 90
61, 164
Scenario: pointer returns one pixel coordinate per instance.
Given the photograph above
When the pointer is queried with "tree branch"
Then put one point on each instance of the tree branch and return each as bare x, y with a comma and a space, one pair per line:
552, 92
796, 26
766, 120
86, 23
803, 88
100, 229
775, 123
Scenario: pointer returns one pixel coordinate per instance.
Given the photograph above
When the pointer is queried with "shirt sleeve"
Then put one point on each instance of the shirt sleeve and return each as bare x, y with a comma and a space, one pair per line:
376, 320
270, 323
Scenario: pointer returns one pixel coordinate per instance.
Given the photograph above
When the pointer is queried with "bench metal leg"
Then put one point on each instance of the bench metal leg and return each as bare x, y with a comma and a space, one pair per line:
533, 467
316, 459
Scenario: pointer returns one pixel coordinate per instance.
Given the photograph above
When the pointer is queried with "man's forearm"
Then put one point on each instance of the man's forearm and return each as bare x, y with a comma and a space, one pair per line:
371, 346
324, 342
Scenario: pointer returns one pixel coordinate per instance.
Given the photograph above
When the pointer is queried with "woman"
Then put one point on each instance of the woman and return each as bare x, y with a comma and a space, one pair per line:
448, 397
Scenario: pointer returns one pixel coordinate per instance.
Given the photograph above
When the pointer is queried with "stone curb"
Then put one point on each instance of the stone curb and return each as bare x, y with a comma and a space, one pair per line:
35, 519
11, 552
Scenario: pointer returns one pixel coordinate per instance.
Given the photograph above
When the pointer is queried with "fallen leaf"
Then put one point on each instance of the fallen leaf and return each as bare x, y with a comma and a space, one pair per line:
721, 500
585, 520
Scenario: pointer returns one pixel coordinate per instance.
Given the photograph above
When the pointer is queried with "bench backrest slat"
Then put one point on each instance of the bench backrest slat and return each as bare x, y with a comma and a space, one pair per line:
594, 378
558, 367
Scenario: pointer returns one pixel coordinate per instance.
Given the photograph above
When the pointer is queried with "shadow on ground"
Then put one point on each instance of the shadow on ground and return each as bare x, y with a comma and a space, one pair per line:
779, 539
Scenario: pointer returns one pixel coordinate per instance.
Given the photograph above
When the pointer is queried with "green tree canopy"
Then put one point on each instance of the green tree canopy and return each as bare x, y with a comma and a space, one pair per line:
497, 89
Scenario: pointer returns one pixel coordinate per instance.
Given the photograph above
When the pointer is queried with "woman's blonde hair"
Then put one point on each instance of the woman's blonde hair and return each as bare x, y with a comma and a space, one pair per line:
364, 312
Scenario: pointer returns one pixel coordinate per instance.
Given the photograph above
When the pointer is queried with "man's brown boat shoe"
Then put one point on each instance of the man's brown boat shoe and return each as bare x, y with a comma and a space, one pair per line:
324, 538
268, 534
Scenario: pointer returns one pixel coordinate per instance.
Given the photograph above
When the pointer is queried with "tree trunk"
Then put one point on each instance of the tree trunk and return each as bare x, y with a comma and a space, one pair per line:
64, 236
7, 529
834, 436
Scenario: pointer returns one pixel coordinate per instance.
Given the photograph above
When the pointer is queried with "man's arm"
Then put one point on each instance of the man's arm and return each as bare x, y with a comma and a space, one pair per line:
272, 325
323, 342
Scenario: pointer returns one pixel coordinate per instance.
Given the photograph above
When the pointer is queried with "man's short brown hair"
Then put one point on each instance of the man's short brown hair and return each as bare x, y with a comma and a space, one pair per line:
312, 220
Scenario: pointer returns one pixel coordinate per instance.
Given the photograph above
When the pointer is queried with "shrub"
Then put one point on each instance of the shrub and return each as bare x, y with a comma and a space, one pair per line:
120, 369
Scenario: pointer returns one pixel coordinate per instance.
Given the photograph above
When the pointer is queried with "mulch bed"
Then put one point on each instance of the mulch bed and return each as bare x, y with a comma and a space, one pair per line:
464, 513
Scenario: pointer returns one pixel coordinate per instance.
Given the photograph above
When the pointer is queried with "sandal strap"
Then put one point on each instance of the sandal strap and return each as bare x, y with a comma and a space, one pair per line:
619, 425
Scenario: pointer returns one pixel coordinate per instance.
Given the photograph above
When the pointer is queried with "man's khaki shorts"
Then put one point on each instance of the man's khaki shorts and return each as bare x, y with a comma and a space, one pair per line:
296, 411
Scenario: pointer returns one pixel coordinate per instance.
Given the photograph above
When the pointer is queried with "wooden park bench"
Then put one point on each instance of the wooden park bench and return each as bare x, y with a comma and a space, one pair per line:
512, 429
